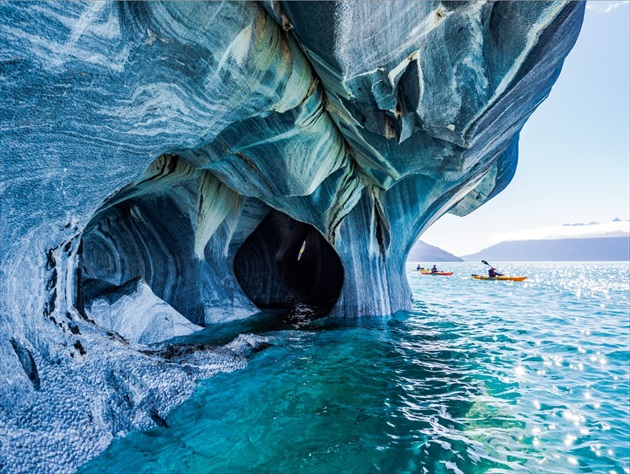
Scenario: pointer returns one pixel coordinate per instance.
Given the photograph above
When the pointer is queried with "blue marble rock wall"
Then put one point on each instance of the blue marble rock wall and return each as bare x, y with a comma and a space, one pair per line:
143, 143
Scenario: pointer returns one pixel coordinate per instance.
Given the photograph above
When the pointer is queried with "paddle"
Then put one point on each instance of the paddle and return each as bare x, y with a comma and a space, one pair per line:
486, 263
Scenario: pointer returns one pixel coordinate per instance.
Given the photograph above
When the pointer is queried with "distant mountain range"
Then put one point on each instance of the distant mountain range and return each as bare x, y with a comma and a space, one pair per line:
423, 252
573, 249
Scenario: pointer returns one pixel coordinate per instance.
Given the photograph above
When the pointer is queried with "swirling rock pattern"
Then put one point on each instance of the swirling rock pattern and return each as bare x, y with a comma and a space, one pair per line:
167, 142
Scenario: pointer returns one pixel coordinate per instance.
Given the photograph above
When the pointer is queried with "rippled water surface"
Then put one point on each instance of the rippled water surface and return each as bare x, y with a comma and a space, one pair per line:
481, 376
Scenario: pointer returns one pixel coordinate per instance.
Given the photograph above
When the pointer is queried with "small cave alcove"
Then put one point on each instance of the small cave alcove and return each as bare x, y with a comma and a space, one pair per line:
287, 264
149, 240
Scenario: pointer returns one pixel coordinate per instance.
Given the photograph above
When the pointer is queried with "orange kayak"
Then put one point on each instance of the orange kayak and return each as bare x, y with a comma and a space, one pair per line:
500, 278
436, 273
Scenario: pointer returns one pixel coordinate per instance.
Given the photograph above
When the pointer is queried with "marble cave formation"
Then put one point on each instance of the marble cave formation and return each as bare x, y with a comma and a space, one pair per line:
164, 165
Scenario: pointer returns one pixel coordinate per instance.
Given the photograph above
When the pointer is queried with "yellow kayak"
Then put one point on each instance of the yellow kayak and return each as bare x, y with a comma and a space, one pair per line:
502, 278
428, 272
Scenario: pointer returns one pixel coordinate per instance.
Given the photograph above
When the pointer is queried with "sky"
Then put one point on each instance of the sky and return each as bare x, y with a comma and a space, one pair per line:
574, 157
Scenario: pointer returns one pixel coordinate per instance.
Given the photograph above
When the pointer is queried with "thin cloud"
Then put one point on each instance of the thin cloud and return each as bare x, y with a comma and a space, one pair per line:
606, 229
604, 7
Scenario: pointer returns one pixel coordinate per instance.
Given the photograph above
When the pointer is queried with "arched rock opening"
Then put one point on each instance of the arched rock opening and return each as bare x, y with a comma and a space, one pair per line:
285, 263
157, 256
149, 239
178, 249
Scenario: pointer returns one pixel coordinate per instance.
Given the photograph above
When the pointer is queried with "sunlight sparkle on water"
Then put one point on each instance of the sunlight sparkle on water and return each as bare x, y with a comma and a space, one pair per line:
544, 379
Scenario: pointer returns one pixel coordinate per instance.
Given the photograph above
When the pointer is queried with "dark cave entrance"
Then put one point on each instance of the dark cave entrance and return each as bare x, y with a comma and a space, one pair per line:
147, 239
287, 264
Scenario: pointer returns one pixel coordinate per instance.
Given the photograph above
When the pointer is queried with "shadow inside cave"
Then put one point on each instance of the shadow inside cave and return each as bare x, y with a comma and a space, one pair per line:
142, 244
287, 264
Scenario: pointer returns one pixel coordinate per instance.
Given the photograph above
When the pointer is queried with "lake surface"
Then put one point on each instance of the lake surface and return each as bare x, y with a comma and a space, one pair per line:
482, 376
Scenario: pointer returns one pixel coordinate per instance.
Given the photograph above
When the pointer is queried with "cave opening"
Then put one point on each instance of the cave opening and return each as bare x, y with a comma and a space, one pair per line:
287, 264
179, 247
160, 241
142, 241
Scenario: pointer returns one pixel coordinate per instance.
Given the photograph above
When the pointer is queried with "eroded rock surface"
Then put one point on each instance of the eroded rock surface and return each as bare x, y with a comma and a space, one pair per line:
170, 141
135, 313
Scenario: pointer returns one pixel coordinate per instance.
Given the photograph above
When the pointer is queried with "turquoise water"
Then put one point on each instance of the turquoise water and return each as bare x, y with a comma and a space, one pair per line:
482, 376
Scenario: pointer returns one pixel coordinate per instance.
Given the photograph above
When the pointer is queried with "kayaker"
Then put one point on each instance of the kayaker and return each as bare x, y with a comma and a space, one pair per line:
493, 273
418, 268
434, 269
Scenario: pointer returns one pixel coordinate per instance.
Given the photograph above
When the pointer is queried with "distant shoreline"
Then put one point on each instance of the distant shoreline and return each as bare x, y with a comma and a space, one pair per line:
591, 249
